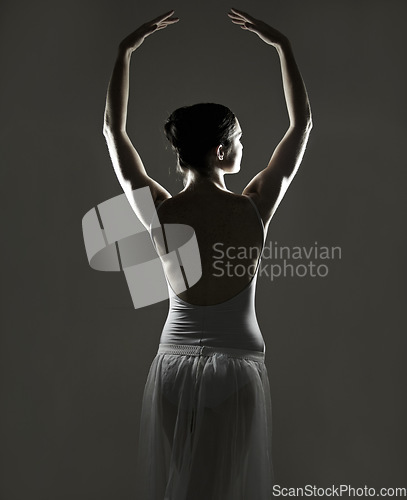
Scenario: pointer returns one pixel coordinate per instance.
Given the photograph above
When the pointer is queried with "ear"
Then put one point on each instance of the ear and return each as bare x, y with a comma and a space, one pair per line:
219, 152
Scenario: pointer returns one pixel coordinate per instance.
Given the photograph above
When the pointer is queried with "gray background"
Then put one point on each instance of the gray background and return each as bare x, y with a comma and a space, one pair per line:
75, 353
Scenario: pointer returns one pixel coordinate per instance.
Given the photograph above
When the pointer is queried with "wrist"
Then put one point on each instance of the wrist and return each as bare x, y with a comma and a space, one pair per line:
284, 49
283, 45
124, 51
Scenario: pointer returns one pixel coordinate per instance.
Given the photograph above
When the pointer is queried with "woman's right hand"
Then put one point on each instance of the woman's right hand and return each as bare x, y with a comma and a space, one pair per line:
264, 31
135, 39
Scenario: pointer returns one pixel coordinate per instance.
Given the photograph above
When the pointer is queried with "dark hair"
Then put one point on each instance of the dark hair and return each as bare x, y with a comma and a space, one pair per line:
194, 130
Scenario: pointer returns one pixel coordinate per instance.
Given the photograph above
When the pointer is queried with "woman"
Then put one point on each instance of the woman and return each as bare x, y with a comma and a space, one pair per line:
206, 416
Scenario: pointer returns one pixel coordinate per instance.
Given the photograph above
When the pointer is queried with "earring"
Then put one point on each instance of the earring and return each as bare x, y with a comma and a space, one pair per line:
220, 157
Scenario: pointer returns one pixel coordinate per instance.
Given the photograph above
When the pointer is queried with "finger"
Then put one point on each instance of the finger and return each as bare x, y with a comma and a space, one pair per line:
172, 20
235, 17
239, 23
165, 24
243, 14
248, 26
162, 17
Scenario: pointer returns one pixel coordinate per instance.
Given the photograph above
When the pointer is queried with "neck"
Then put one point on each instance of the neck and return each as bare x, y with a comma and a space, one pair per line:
214, 180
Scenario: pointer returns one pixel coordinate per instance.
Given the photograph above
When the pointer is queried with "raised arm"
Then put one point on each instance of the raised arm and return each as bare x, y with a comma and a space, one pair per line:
126, 161
269, 186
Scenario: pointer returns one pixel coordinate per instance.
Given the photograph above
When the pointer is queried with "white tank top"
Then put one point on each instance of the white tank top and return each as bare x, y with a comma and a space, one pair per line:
232, 323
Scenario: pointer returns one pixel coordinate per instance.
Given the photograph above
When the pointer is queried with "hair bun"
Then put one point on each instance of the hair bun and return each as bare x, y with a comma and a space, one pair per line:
194, 130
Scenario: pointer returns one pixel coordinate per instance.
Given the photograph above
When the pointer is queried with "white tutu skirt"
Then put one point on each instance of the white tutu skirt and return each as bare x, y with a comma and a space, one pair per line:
205, 430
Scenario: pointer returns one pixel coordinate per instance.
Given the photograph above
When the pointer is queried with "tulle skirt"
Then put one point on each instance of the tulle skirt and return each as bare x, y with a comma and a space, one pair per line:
205, 430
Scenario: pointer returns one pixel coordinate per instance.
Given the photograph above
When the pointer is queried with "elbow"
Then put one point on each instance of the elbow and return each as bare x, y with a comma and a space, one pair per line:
302, 121
110, 131
309, 122
107, 126
106, 122
106, 131
303, 126
309, 125
111, 126
306, 120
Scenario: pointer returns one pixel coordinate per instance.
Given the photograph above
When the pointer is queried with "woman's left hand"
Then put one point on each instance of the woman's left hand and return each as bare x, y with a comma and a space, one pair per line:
135, 39
267, 33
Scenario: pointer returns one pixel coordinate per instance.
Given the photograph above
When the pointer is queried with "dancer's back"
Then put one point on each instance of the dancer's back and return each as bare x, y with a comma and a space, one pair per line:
230, 235
213, 312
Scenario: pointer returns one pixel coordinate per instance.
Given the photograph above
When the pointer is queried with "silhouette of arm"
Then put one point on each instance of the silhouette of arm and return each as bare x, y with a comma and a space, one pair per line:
126, 161
269, 186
